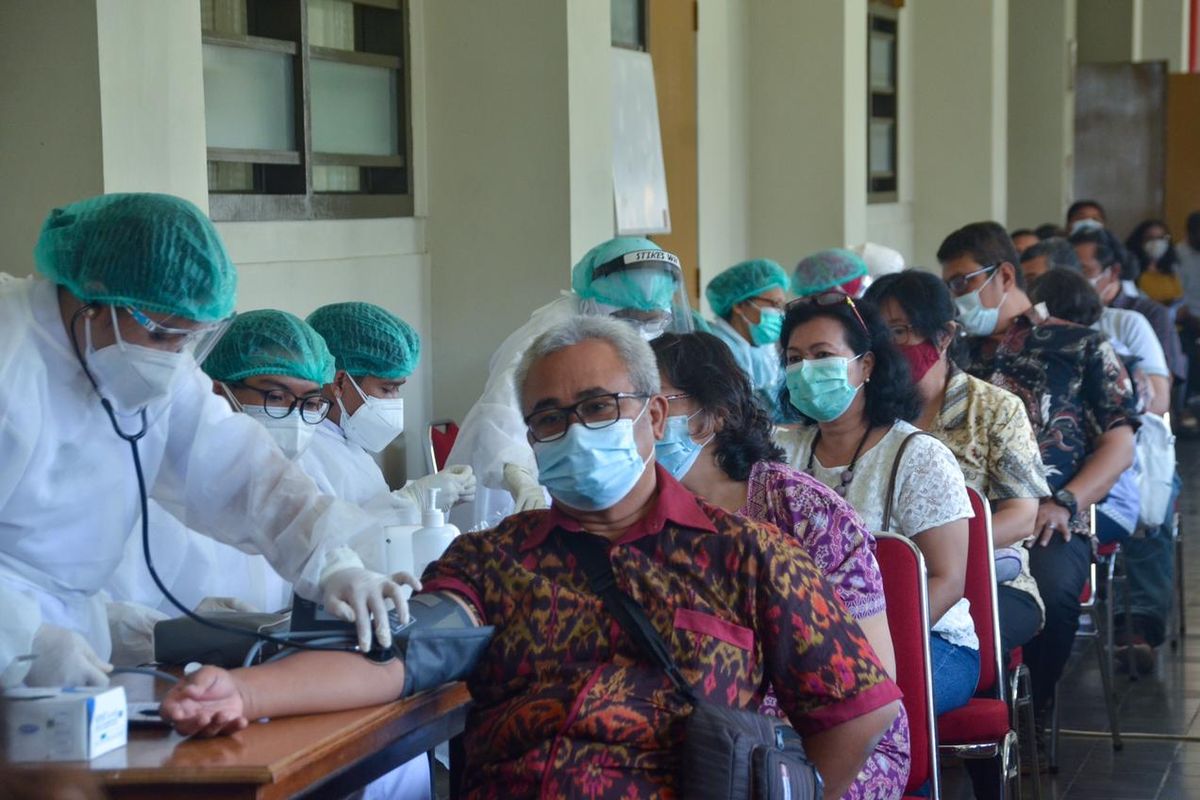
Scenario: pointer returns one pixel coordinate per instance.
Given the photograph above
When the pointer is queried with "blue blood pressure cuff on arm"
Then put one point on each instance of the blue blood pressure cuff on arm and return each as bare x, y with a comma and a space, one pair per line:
442, 644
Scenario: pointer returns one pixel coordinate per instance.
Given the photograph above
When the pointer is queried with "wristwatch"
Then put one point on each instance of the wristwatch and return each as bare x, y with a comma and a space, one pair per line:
1066, 499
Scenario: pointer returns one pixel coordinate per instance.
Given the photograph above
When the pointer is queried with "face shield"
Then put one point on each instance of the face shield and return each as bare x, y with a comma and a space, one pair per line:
644, 288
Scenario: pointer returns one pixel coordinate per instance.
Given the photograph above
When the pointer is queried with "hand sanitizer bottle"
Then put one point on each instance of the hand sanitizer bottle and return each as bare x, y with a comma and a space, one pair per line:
434, 536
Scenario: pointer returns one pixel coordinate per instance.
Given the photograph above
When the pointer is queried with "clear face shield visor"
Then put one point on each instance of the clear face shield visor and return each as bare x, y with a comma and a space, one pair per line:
198, 341
646, 289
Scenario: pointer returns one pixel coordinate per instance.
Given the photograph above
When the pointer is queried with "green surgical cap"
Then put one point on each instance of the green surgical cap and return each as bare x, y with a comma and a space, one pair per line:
270, 342
155, 252
826, 270
368, 340
743, 281
640, 289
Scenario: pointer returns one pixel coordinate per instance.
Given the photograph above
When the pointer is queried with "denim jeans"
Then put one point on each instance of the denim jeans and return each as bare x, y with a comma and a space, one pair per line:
1150, 567
955, 674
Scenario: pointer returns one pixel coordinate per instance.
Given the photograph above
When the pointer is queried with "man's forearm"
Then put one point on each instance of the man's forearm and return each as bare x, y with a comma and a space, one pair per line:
315, 682
1013, 520
1112, 456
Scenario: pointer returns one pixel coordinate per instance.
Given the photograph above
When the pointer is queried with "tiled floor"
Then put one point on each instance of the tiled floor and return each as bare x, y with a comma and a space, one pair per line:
1167, 702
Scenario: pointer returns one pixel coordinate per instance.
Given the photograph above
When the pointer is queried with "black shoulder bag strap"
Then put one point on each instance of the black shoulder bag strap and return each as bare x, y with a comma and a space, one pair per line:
591, 553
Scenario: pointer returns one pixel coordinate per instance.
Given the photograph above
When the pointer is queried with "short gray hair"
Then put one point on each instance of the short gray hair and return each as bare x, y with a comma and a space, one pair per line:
633, 351
1057, 250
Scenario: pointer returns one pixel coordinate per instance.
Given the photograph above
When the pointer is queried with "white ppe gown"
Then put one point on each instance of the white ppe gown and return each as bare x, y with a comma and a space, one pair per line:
68, 491
494, 433
759, 362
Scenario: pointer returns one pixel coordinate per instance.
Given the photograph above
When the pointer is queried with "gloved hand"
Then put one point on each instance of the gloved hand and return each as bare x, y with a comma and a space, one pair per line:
454, 484
357, 595
131, 627
211, 604
527, 493
64, 658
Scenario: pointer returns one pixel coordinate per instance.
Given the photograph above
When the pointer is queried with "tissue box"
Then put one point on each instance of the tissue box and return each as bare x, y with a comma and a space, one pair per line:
63, 724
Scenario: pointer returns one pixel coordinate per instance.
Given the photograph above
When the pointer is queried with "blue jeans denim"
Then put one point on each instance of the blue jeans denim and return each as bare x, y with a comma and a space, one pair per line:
955, 674
1150, 567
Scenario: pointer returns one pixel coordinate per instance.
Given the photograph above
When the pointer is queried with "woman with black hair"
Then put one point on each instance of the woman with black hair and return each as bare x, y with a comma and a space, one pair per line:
985, 427
844, 375
1150, 243
718, 445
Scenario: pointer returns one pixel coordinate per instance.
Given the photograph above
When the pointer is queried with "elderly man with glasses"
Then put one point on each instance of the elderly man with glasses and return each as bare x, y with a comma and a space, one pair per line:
1080, 402
565, 703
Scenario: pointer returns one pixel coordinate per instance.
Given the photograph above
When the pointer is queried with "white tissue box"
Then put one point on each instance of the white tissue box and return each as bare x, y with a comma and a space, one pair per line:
63, 724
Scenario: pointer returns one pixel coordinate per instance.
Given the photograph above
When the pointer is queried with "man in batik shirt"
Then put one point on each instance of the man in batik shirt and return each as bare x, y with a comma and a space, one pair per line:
1081, 404
565, 703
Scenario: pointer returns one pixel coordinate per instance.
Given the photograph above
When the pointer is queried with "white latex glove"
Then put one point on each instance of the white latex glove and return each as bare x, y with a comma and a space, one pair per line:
357, 595
210, 604
64, 658
454, 484
527, 493
131, 627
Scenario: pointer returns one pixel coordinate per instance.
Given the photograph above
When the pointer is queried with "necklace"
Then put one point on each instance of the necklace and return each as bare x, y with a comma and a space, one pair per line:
847, 474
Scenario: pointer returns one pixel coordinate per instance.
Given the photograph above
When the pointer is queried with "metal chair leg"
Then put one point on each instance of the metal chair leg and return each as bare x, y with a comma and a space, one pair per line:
1022, 692
1110, 697
1052, 745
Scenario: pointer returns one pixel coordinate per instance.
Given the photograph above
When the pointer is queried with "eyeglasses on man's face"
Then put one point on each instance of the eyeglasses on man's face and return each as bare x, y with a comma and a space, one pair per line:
595, 412
960, 284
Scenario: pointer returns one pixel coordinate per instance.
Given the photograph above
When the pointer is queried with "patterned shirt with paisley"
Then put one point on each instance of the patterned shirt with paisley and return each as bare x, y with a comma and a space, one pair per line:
1071, 382
564, 704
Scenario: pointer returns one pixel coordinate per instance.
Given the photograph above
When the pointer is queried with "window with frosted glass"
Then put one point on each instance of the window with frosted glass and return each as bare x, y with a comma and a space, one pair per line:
306, 108
882, 103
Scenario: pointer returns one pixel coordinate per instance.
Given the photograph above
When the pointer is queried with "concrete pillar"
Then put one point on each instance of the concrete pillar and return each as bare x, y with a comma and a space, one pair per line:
1109, 31
520, 159
808, 105
1041, 110
960, 117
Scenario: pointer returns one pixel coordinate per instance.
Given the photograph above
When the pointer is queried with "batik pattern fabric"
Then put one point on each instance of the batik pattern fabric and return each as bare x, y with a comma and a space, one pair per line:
1071, 382
564, 703
832, 533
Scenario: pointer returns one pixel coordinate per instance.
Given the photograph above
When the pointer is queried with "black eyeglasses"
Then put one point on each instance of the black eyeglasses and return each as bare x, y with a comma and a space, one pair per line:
959, 283
830, 298
278, 403
596, 412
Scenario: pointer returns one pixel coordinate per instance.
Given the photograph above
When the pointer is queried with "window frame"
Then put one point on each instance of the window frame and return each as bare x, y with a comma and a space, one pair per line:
888, 12
310, 204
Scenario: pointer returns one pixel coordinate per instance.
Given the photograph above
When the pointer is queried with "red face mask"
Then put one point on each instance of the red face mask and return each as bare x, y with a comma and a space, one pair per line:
920, 358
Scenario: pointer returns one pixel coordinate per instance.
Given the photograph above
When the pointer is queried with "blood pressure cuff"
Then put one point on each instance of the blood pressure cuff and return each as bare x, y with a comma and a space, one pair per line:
442, 644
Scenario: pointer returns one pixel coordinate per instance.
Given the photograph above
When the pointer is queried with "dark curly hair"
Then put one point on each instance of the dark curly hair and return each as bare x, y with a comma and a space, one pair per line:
1068, 295
926, 301
891, 394
702, 365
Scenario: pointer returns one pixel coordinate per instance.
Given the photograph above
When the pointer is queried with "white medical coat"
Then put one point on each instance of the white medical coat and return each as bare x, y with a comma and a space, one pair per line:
759, 362
68, 491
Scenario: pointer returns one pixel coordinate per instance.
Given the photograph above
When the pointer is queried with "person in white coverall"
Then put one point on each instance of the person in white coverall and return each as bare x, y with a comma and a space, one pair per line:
100, 385
628, 278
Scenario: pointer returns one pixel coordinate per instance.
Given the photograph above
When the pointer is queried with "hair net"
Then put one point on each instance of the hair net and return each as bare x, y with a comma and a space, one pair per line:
368, 340
270, 342
880, 260
826, 269
645, 289
153, 251
743, 281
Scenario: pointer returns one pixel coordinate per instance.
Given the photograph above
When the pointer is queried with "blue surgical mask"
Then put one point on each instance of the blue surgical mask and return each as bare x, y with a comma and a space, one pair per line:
976, 318
591, 469
677, 451
820, 389
767, 329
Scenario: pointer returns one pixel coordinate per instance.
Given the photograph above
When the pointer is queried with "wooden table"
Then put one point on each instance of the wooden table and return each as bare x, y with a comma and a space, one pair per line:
320, 755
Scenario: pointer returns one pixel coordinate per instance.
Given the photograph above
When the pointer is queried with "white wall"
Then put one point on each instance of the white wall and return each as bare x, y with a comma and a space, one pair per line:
960, 117
1109, 30
723, 137
1164, 32
50, 143
1041, 115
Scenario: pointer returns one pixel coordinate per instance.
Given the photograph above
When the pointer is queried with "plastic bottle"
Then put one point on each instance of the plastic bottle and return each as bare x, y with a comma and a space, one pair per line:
434, 536
398, 540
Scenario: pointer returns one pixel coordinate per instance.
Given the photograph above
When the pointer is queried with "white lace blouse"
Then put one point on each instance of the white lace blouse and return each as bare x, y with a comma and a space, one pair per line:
930, 492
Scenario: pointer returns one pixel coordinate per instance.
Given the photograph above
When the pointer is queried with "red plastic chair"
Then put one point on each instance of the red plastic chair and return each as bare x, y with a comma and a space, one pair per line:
904, 586
441, 437
982, 728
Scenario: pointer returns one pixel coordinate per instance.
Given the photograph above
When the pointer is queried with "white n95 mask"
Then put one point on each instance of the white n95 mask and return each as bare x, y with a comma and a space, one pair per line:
376, 422
291, 433
130, 376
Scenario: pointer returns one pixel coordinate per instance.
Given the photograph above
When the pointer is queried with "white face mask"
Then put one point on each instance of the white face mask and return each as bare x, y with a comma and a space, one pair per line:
130, 376
1086, 224
376, 422
1156, 248
291, 433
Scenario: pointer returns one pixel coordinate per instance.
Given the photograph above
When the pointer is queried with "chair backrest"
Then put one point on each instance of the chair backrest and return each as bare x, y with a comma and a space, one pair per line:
904, 587
442, 434
980, 590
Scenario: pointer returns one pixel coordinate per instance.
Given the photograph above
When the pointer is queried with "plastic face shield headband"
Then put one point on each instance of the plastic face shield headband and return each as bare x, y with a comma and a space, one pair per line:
652, 289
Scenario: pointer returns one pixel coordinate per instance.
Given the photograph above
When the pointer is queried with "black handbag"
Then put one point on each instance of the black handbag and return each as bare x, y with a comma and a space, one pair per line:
727, 752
